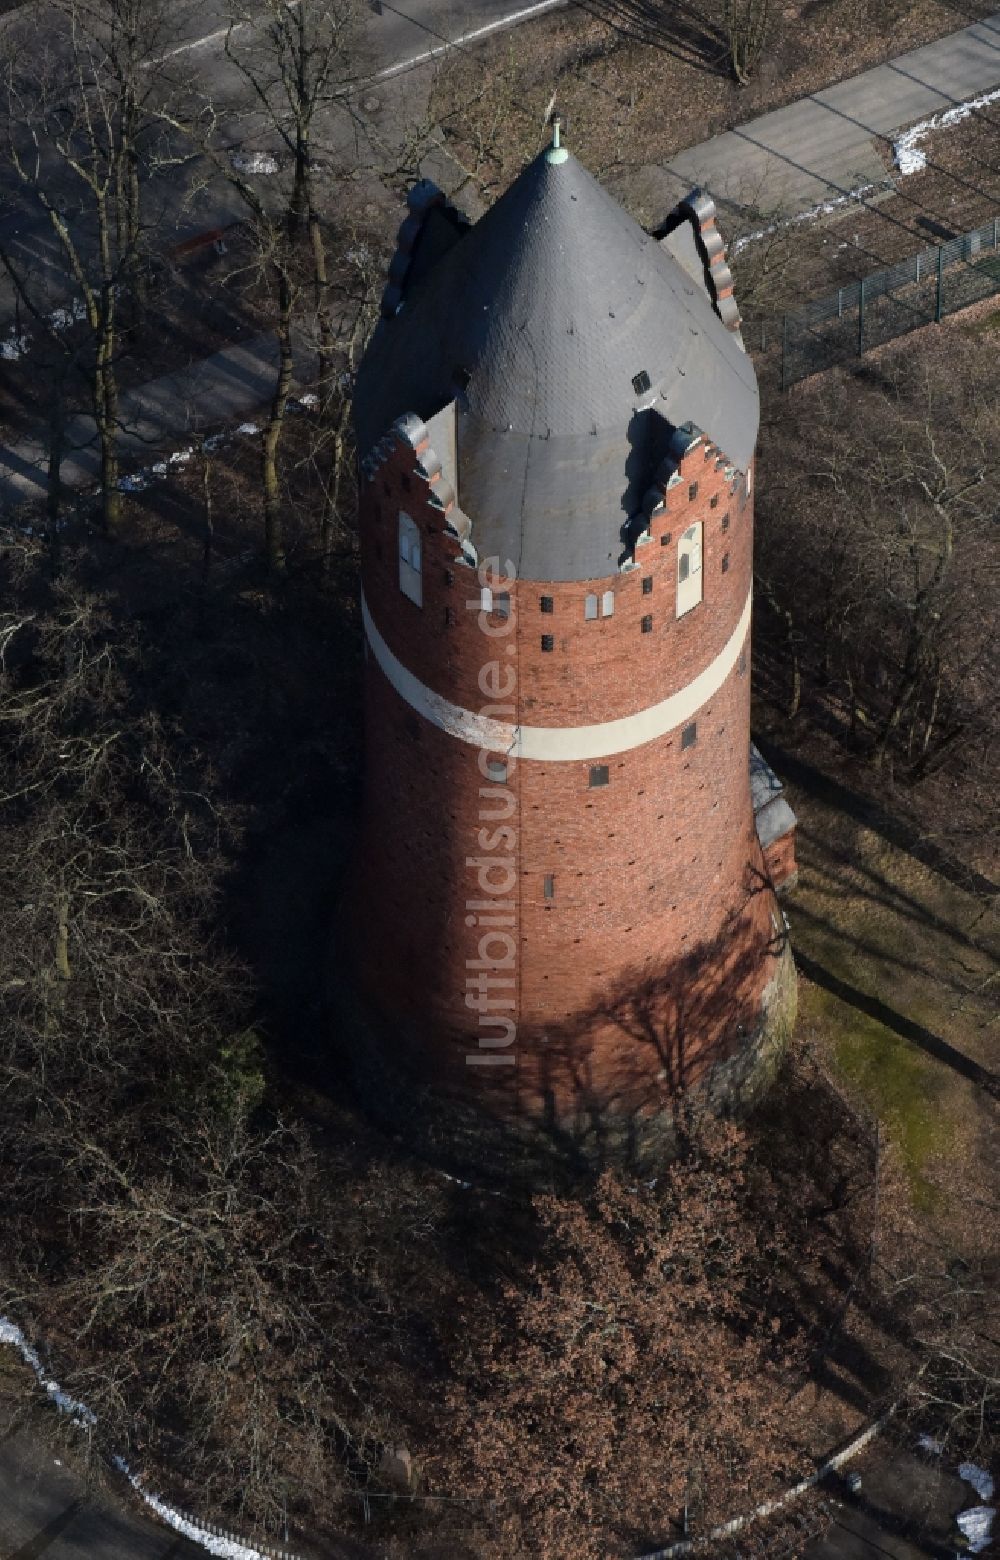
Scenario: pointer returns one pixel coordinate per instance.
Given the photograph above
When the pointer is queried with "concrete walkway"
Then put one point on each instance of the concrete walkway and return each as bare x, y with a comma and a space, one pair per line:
825, 144
157, 419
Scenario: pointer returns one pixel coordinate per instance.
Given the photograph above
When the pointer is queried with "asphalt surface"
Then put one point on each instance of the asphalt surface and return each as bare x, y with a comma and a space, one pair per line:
47, 1512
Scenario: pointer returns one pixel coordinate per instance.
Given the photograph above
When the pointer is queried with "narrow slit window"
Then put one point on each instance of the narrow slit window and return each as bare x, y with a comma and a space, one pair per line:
647, 625
725, 563
549, 889
692, 492
410, 579
689, 735
647, 585
725, 521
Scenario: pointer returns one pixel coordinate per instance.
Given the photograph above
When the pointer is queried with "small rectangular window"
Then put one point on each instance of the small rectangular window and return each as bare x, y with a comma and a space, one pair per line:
641, 382
666, 539
725, 521
590, 608
486, 599
693, 492
689, 735
608, 604
725, 563
647, 625
496, 769
547, 604
501, 603
713, 502
647, 585
598, 775
548, 642
550, 888
449, 577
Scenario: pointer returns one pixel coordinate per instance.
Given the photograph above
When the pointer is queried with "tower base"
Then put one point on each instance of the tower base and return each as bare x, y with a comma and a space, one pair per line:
453, 1132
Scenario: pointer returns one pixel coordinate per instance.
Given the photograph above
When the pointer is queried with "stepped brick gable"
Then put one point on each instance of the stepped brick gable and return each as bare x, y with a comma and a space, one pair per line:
560, 907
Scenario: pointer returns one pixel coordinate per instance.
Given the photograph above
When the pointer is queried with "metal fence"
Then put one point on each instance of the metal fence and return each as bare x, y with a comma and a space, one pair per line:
916, 291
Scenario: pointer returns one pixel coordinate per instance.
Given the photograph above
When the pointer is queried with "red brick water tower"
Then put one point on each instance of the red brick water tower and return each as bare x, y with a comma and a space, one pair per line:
560, 908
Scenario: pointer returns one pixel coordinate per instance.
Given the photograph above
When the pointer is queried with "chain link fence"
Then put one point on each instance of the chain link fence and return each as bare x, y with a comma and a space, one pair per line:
916, 291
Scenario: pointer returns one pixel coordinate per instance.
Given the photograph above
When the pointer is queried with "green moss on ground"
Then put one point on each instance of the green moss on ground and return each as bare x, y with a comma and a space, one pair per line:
899, 1085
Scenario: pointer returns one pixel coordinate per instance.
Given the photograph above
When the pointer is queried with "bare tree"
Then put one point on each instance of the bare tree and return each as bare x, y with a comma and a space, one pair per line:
745, 23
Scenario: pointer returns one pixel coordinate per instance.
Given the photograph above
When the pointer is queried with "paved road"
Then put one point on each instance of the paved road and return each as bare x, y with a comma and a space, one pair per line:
160, 417
47, 1513
904, 1510
824, 145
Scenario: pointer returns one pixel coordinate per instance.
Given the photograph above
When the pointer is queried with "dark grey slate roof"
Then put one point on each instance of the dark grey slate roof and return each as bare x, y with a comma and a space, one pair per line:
536, 321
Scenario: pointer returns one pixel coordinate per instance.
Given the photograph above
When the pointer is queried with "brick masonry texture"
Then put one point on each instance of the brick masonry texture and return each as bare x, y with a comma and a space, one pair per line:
633, 923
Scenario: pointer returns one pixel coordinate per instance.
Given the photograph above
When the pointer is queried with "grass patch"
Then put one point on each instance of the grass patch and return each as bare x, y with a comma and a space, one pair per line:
897, 1082
986, 326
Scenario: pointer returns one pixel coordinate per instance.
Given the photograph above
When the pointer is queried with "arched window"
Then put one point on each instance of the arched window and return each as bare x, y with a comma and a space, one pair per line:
608, 604
590, 608
689, 569
410, 582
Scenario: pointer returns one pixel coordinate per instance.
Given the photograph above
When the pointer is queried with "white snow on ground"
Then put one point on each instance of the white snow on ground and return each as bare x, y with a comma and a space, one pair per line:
976, 1524
981, 1481
254, 162
822, 210
909, 157
79, 1413
15, 346
139, 481
927, 1443
224, 1548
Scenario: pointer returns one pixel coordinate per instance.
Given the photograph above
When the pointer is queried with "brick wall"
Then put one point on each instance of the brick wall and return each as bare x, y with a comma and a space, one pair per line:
632, 920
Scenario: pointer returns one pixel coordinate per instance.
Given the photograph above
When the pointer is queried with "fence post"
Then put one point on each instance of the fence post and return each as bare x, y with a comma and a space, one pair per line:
940, 285
861, 318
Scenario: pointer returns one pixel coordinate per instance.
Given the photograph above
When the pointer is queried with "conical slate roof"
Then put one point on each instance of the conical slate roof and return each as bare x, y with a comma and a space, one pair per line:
538, 322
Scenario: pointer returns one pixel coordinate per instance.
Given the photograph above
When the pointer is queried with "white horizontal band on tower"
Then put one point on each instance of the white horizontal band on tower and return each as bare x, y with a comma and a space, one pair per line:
560, 743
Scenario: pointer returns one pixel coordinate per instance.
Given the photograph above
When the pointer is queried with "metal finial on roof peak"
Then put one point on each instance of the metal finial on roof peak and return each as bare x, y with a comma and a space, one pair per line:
556, 152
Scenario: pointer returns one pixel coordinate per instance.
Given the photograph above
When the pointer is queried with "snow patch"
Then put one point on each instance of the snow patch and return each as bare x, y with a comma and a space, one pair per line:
79, 1413
824, 209
976, 1524
927, 1443
981, 1481
216, 1544
254, 162
14, 346
906, 151
248, 427
225, 1548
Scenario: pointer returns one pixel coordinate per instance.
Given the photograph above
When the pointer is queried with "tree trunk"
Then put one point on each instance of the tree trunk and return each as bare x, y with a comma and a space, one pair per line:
274, 550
